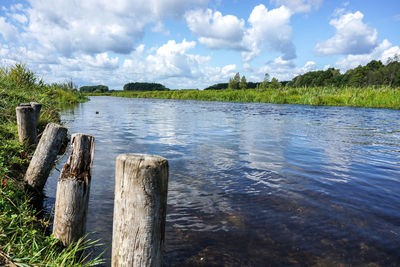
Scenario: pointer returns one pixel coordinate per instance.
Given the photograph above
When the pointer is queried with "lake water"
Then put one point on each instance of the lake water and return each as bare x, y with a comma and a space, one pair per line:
254, 184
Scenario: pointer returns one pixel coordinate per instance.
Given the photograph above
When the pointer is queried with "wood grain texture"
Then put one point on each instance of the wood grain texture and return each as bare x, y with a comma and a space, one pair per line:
26, 121
73, 189
140, 201
36, 109
44, 157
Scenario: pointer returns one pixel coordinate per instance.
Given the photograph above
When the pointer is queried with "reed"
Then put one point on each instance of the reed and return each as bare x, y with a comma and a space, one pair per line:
23, 239
368, 97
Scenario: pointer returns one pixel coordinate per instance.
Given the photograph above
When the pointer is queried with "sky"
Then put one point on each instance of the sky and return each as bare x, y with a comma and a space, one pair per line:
189, 44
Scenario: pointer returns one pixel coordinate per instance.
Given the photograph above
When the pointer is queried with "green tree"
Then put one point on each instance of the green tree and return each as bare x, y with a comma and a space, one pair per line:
92, 88
234, 82
274, 83
243, 83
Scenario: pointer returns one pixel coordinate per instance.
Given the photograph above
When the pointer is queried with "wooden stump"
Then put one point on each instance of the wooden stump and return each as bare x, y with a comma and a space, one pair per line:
73, 188
44, 157
26, 120
140, 202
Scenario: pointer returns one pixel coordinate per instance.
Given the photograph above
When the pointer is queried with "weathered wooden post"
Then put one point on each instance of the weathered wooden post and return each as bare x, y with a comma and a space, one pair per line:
44, 157
73, 188
26, 120
36, 108
140, 203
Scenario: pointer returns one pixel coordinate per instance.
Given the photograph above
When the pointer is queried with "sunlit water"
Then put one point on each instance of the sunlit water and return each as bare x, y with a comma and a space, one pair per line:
255, 184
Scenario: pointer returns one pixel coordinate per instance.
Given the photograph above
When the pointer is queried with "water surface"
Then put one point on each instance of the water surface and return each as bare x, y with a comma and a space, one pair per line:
255, 184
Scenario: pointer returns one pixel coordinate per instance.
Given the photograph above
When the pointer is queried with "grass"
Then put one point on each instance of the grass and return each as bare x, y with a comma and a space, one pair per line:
23, 238
369, 97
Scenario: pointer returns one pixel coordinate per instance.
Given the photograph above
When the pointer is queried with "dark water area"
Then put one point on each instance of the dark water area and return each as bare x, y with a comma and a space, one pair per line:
254, 184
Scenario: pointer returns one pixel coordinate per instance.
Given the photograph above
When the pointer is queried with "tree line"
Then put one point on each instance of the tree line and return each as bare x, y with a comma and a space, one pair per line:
374, 73
93, 89
136, 86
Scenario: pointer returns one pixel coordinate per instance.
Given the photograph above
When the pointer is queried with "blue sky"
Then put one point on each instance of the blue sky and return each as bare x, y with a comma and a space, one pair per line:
193, 43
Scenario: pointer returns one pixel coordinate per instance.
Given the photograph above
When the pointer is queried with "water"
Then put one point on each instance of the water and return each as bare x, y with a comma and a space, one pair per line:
255, 184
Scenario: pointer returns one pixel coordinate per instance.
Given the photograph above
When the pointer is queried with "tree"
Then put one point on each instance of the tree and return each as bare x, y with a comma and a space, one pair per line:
218, 86
144, 87
243, 83
266, 77
93, 88
274, 83
234, 82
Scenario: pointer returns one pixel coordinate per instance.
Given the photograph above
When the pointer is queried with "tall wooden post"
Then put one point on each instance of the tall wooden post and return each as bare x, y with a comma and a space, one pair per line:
26, 120
44, 157
140, 202
73, 188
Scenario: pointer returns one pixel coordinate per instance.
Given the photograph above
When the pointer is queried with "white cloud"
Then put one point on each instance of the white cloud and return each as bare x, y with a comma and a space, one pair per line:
160, 28
173, 65
21, 18
383, 52
215, 30
269, 29
352, 36
8, 30
22, 54
299, 6
284, 70
91, 26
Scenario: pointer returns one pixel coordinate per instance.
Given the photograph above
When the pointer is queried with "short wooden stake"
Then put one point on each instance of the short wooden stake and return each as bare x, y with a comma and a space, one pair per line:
26, 120
44, 157
73, 189
140, 202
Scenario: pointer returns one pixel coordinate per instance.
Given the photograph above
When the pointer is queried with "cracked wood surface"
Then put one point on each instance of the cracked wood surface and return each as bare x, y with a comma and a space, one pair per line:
140, 200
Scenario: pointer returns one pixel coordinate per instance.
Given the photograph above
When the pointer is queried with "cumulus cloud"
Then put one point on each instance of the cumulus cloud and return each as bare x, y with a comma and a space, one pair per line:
269, 29
215, 30
284, 70
22, 54
299, 6
174, 65
7, 30
352, 36
383, 52
91, 26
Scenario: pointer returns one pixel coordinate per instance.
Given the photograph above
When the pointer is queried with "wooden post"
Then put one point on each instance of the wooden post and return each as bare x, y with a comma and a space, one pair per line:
140, 202
73, 188
44, 157
26, 120
36, 108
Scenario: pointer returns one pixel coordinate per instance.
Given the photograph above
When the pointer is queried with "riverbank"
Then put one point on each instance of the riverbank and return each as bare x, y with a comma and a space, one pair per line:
369, 97
23, 238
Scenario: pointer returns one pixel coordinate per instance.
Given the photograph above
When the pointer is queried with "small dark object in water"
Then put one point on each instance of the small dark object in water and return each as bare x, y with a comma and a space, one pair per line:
97, 112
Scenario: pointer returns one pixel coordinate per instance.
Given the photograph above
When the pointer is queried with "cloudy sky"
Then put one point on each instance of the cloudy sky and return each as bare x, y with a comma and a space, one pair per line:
193, 43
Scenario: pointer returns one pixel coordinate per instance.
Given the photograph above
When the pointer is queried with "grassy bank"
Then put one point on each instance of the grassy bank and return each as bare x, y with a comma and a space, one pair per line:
371, 97
22, 235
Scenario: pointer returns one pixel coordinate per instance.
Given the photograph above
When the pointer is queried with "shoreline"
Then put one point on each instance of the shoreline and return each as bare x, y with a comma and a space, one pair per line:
369, 97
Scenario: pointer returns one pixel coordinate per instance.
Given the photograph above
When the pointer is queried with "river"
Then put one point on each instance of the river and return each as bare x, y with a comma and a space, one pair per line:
254, 184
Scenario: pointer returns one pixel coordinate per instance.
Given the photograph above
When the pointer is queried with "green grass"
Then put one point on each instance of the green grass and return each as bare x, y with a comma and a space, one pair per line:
369, 97
23, 239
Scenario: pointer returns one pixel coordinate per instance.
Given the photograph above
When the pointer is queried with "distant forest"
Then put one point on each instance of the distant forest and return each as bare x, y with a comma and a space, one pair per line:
144, 87
375, 73
94, 89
